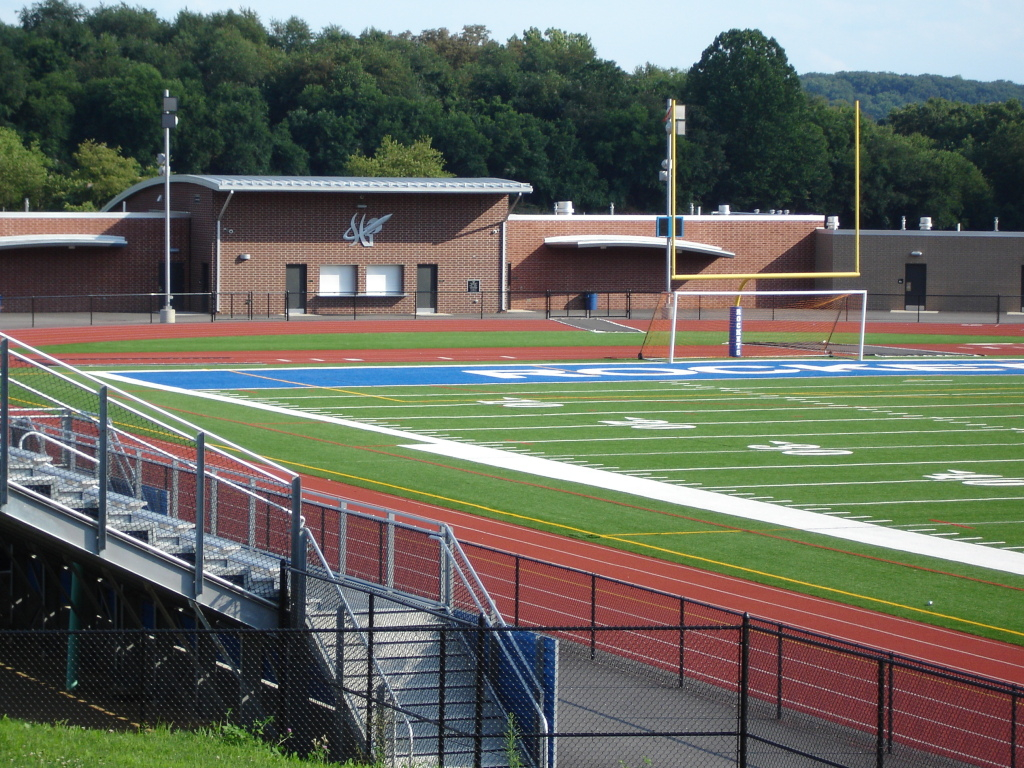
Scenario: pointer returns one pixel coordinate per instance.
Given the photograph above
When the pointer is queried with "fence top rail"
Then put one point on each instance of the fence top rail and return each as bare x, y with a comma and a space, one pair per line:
375, 512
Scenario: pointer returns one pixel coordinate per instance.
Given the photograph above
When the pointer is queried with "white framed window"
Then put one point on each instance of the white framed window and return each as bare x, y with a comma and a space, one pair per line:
384, 279
472, 286
337, 279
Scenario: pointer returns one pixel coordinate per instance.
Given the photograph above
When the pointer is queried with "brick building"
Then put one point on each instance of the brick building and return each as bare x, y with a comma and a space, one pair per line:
339, 245
359, 245
347, 246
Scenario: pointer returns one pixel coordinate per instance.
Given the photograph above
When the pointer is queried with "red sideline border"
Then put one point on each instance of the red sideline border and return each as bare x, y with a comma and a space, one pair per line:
950, 648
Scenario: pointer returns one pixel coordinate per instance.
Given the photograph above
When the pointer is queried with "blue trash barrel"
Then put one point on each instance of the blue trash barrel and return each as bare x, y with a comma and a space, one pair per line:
590, 300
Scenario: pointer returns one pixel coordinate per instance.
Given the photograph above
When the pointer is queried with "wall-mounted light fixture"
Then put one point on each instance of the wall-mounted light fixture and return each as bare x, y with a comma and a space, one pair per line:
916, 253
244, 256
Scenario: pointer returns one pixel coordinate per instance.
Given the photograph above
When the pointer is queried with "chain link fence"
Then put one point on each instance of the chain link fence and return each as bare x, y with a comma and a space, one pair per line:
817, 699
30, 311
814, 705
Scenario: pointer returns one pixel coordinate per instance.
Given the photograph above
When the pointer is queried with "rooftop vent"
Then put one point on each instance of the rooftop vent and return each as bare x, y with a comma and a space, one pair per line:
926, 223
563, 208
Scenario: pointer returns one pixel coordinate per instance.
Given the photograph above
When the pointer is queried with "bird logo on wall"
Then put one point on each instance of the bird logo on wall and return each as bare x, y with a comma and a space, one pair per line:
361, 230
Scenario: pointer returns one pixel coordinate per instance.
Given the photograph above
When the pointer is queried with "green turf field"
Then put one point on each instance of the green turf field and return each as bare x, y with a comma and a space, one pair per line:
943, 456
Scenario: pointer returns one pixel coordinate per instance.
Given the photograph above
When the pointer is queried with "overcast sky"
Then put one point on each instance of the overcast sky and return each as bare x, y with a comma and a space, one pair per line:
976, 39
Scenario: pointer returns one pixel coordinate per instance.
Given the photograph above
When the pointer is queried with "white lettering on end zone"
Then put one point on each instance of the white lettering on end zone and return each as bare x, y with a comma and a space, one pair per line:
741, 369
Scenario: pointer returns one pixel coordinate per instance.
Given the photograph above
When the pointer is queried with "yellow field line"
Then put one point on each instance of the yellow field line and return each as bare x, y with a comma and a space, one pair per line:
676, 533
315, 386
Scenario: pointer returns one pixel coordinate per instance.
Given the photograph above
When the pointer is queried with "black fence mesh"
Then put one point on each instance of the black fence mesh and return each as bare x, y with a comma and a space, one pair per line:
816, 704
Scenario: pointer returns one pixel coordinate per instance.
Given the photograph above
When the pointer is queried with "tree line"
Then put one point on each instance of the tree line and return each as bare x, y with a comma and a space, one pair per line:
80, 99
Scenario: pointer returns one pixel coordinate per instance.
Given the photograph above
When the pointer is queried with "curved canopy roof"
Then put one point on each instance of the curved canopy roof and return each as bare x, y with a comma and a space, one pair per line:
60, 241
634, 241
334, 184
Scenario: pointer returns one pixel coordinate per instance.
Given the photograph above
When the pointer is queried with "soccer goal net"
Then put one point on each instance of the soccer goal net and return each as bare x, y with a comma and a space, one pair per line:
690, 324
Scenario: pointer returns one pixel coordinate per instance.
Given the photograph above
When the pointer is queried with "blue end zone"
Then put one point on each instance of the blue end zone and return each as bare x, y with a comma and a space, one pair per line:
435, 375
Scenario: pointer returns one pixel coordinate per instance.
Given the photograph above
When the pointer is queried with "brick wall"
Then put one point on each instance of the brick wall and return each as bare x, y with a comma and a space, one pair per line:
460, 233
77, 271
762, 243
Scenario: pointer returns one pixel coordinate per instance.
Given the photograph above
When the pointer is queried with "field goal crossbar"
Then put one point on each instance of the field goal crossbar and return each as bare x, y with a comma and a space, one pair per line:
804, 322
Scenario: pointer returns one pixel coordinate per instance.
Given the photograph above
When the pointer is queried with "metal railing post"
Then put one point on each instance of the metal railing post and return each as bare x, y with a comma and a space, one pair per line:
102, 469
5, 418
343, 539
880, 737
682, 642
370, 623
298, 555
1013, 729
482, 659
442, 673
447, 566
197, 578
744, 692
778, 673
517, 578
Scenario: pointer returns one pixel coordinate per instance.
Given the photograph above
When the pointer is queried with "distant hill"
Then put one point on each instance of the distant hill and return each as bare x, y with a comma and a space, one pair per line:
881, 92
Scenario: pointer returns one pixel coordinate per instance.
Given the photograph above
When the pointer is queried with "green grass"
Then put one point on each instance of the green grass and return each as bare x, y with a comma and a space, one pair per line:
968, 424
28, 745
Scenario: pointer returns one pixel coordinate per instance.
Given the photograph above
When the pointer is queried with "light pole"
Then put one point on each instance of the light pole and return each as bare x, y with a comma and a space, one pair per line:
168, 119
675, 125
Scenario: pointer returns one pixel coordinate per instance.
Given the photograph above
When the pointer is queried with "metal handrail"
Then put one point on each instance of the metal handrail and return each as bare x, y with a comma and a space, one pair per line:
350, 614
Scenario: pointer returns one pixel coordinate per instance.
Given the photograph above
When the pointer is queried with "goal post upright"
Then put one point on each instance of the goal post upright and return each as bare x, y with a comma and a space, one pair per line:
674, 315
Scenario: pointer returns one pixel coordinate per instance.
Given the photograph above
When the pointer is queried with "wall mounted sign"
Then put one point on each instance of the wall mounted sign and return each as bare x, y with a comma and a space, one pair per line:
361, 230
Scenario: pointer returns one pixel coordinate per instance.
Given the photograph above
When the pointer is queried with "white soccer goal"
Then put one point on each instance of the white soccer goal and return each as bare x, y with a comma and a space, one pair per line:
688, 324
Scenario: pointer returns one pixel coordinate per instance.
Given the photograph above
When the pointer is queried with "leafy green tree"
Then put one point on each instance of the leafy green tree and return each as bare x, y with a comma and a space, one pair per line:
14, 75
417, 160
23, 171
906, 176
1004, 157
880, 93
100, 174
122, 110
751, 104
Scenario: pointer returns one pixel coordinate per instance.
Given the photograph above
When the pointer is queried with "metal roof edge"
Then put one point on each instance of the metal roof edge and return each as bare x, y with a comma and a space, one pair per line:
9, 242
921, 233
355, 184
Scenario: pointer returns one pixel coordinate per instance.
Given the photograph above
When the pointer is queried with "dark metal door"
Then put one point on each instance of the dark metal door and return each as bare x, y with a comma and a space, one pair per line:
295, 285
915, 286
426, 288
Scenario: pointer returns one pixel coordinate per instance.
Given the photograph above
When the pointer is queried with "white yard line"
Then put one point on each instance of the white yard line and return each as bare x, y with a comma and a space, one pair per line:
850, 530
